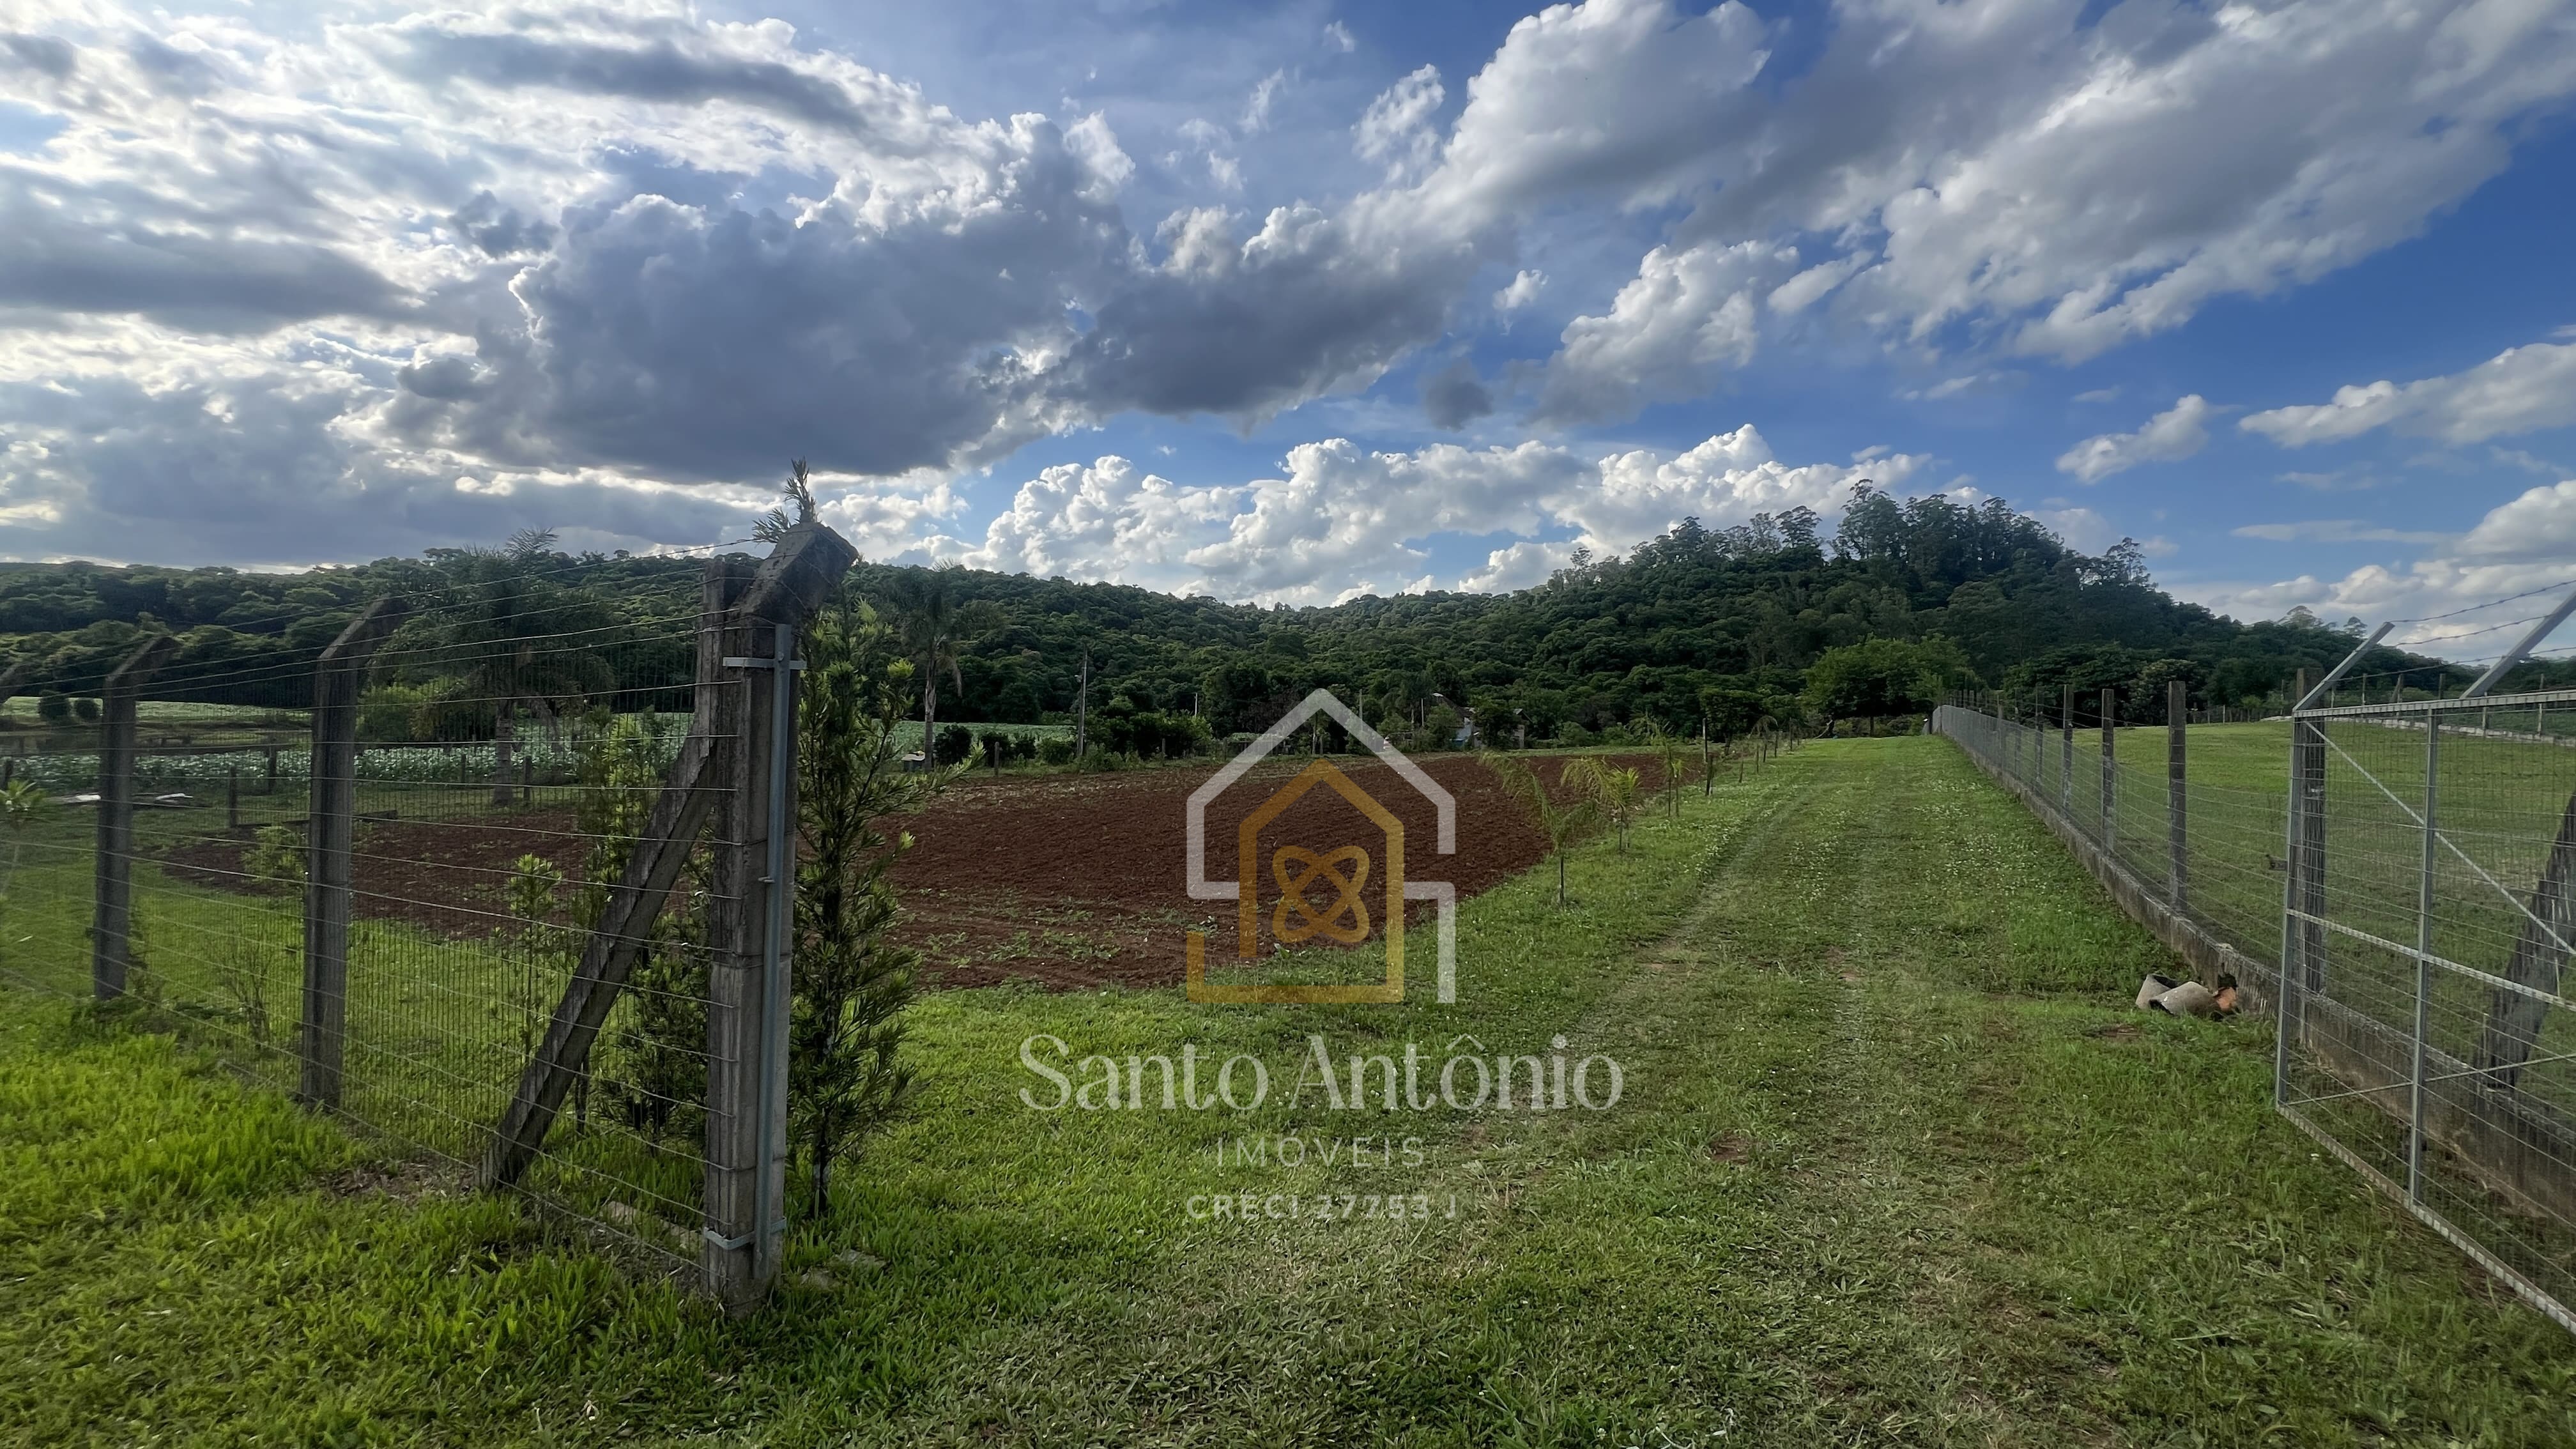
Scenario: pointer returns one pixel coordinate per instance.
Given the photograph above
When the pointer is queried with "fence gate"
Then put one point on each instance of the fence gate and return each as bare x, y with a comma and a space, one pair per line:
2428, 907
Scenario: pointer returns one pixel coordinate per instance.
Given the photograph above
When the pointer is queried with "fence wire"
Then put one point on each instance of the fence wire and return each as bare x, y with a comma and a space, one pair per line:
513, 735
2424, 900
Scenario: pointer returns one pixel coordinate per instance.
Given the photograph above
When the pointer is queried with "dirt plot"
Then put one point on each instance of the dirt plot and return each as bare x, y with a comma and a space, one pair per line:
1077, 881
1065, 880
443, 876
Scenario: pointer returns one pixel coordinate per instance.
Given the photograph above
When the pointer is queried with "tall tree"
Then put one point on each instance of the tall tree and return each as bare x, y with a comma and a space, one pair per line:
932, 626
845, 1074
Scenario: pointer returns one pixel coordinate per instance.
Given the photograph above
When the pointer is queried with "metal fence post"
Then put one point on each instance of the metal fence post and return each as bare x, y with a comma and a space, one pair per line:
2309, 869
112, 911
2423, 949
2066, 751
331, 832
2177, 797
2110, 747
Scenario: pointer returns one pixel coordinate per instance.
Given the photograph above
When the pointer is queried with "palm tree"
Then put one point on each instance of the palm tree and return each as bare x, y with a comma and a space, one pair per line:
931, 625
1563, 823
1617, 791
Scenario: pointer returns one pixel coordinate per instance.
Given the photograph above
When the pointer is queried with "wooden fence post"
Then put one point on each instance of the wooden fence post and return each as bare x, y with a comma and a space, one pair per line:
749, 970
2110, 777
2177, 797
232, 798
330, 837
112, 915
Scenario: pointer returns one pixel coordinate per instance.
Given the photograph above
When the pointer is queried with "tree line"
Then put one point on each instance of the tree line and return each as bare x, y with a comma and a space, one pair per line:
1723, 626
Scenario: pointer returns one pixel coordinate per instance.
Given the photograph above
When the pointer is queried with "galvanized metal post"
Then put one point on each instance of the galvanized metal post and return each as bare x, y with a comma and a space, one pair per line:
2110, 831
2066, 751
2423, 950
2287, 986
2177, 798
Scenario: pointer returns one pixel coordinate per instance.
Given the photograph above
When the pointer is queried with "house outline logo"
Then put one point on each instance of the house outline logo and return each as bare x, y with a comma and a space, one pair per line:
1396, 888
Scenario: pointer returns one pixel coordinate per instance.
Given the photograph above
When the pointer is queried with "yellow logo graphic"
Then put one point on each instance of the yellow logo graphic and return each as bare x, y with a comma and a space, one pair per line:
1343, 872
1324, 895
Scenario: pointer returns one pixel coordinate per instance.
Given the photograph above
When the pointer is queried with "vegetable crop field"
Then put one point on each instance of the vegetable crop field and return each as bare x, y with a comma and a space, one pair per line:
1893, 1160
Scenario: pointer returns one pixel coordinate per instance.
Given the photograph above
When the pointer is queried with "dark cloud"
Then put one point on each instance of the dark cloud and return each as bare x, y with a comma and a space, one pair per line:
1453, 398
50, 264
253, 469
1303, 308
698, 342
654, 70
44, 54
499, 230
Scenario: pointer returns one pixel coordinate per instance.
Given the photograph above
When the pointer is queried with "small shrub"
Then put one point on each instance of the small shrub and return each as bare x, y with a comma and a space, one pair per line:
53, 707
1055, 750
956, 742
86, 709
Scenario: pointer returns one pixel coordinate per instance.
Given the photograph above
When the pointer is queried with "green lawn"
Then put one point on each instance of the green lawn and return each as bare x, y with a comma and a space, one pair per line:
1894, 1162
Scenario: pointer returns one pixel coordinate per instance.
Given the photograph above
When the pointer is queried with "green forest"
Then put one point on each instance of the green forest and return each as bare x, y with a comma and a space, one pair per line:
1723, 627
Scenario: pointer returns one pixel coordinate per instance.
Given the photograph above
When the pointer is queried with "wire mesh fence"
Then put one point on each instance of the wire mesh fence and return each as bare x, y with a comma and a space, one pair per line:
516, 799
2423, 896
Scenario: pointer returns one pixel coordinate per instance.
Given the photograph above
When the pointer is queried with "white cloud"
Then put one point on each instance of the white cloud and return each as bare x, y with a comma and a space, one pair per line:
1396, 127
1265, 94
1344, 519
2521, 545
1337, 36
1520, 291
1686, 315
2336, 530
2519, 390
2177, 432
1522, 565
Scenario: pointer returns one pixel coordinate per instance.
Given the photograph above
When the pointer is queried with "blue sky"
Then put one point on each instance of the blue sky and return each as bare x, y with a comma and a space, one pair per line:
1297, 301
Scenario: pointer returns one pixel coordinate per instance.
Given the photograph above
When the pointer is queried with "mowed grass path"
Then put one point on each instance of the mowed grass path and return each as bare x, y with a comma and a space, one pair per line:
1896, 1163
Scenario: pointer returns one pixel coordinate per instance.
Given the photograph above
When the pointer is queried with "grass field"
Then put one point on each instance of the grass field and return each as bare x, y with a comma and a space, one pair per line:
1894, 1162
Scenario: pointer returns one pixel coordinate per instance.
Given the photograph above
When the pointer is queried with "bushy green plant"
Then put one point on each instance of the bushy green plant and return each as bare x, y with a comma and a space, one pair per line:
54, 707
1055, 750
846, 1078
276, 858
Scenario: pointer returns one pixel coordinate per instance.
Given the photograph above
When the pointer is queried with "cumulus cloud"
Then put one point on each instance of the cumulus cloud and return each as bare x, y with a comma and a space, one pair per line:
2003, 173
1686, 315
606, 243
1396, 127
1343, 520
2177, 432
1520, 291
2336, 530
2520, 545
2519, 390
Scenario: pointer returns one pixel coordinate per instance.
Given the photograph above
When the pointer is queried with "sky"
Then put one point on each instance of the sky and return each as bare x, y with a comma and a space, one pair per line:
1294, 302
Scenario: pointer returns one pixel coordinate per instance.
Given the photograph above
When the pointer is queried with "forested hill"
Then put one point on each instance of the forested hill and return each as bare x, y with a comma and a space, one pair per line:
1694, 620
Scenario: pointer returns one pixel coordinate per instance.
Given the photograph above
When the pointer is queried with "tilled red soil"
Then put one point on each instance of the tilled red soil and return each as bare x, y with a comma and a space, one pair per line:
1064, 880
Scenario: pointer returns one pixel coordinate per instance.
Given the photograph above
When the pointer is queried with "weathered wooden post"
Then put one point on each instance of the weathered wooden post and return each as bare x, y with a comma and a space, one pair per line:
271, 787
232, 798
2110, 777
112, 915
2177, 797
330, 838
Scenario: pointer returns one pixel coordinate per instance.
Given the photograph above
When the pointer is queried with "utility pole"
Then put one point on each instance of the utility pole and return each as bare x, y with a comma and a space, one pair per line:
1082, 710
